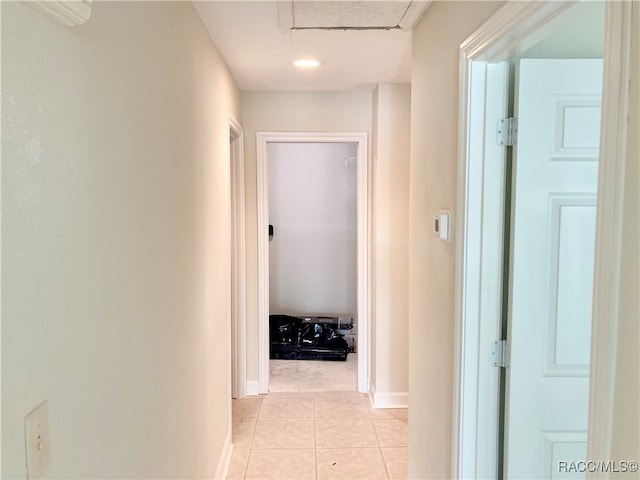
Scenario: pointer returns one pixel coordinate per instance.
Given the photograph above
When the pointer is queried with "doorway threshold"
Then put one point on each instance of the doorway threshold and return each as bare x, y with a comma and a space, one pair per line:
313, 375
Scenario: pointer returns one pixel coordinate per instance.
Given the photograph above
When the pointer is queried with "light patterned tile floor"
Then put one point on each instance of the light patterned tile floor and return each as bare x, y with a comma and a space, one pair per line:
321, 435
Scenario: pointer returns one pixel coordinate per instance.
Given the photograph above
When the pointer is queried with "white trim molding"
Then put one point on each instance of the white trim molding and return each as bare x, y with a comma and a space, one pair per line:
263, 263
364, 235
253, 387
512, 29
68, 13
238, 261
388, 399
222, 468
480, 267
609, 226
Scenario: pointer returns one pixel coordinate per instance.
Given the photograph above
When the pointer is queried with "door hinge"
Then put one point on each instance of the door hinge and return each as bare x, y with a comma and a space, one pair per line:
507, 132
499, 354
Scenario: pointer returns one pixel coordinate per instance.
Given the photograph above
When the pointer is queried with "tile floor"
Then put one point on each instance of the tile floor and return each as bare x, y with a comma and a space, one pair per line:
317, 435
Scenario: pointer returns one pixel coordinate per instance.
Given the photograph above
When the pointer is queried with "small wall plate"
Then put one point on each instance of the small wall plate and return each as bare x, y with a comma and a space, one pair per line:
442, 225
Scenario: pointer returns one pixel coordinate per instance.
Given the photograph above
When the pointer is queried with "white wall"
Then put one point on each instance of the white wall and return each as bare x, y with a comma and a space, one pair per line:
433, 179
390, 245
115, 247
295, 112
313, 208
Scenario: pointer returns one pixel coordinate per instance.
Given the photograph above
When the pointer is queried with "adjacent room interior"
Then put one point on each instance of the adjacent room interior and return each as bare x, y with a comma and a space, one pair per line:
312, 194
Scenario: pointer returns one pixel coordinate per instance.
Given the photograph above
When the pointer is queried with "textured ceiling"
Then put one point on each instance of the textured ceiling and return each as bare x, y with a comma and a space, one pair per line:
346, 14
258, 43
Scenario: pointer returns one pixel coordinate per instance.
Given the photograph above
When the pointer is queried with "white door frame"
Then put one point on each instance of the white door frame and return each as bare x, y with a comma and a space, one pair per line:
512, 29
364, 281
238, 261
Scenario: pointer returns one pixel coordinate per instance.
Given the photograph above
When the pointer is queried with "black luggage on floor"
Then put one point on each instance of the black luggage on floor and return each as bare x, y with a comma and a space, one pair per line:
307, 338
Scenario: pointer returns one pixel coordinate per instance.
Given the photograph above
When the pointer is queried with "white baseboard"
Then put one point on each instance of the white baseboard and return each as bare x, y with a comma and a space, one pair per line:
225, 458
388, 399
253, 387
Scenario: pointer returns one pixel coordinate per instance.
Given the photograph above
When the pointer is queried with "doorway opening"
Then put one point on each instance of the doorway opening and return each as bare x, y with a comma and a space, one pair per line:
486, 294
345, 304
312, 191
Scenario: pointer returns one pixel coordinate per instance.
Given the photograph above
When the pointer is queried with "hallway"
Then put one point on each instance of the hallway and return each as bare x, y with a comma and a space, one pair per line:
323, 435
122, 128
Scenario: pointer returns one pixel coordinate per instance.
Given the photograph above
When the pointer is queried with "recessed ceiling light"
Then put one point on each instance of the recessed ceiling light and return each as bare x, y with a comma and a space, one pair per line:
306, 63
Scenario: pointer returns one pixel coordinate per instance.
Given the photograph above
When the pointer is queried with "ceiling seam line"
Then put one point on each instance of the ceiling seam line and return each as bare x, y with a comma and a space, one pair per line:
405, 13
395, 27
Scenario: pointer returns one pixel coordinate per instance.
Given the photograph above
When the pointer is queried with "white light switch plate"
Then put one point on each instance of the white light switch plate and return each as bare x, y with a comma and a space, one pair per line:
442, 225
36, 426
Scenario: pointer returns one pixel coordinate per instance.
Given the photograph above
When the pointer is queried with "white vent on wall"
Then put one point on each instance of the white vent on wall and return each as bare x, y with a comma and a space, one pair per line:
66, 12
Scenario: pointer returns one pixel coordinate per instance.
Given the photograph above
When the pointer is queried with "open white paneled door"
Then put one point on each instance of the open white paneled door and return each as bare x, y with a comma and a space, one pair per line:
552, 264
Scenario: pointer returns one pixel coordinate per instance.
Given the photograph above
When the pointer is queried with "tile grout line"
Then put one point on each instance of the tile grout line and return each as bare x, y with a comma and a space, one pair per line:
253, 438
375, 430
315, 435
316, 401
